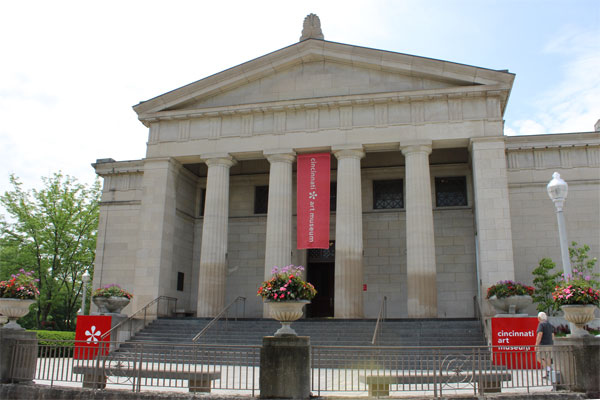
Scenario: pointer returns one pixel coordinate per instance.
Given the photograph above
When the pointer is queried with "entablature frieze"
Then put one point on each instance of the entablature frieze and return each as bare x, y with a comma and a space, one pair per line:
498, 92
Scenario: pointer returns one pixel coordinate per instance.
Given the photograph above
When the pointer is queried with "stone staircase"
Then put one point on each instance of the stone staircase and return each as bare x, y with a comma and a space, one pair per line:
324, 332
163, 339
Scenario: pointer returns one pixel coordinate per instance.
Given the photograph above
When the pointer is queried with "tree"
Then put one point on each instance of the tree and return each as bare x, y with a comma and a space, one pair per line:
51, 231
544, 283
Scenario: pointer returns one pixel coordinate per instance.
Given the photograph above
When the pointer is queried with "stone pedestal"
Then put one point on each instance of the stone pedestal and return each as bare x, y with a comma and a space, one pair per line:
285, 367
26, 358
586, 367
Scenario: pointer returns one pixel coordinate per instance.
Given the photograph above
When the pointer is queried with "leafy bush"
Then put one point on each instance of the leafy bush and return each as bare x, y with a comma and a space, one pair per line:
55, 343
545, 283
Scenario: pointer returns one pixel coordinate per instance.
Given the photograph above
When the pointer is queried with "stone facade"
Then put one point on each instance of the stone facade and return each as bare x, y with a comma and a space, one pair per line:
183, 221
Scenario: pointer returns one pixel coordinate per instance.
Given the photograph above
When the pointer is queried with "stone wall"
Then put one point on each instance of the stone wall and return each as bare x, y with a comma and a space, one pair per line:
531, 161
118, 226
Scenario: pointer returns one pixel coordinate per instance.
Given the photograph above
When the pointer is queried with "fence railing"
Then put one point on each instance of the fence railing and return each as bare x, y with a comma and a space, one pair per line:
335, 370
144, 366
435, 371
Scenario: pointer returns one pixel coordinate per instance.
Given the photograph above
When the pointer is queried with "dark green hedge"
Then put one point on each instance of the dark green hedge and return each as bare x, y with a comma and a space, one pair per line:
55, 343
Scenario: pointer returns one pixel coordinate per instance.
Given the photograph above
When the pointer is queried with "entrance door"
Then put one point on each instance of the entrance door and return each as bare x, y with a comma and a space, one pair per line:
320, 272
321, 275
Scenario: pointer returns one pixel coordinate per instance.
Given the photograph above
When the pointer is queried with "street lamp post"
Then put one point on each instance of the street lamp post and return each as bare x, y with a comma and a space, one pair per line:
86, 279
557, 190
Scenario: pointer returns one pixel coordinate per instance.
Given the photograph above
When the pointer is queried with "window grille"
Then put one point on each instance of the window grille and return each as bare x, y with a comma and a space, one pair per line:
322, 255
388, 194
451, 191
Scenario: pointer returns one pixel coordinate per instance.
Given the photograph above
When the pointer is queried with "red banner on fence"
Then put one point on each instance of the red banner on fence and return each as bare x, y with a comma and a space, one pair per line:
87, 336
313, 201
513, 341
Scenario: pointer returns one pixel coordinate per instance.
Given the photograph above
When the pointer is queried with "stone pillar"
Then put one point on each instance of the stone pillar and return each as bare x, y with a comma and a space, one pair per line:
582, 374
492, 211
278, 249
348, 299
420, 247
157, 226
285, 367
24, 360
213, 253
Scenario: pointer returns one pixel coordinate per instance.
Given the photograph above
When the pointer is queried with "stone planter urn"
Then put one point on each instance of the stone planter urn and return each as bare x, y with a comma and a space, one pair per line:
511, 304
111, 304
579, 315
286, 312
14, 309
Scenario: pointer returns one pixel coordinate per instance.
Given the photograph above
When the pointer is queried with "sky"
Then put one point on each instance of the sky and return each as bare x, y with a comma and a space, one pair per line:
70, 71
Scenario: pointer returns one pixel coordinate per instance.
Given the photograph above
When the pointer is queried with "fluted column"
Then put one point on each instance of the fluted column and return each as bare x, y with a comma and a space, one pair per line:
420, 247
278, 250
348, 300
213, 261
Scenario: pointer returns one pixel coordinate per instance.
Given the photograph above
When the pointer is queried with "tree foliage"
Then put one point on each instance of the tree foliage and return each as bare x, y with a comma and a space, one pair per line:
545, 282
546, 279
51, 231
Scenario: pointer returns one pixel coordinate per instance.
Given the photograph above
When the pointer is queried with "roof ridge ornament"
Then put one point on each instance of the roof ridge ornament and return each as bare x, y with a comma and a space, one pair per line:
312, 28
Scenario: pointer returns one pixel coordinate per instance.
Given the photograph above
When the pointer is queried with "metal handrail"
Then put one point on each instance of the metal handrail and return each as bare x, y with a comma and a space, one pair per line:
380, 318
479, 315
143, 309
219, 315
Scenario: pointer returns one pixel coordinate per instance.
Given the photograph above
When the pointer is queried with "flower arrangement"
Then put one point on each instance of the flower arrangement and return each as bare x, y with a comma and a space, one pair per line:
576, 289
20, 286
286, 284
504, 289
112, 290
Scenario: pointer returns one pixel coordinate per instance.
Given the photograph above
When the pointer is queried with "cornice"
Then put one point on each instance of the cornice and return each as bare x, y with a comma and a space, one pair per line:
492, 91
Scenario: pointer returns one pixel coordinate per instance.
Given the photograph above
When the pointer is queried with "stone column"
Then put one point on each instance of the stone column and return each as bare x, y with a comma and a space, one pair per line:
348, 300
154, 258
420, 247
492, 211
213, 253
278, 249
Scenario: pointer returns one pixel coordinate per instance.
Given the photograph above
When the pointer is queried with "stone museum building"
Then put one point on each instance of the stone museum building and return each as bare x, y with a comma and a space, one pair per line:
430, 202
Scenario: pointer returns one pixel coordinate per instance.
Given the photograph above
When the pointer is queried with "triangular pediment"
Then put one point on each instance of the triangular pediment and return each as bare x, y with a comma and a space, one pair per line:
317, 79
316, 69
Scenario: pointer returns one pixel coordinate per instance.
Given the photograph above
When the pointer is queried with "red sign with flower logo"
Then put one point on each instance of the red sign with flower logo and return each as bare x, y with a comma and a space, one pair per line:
313, 201
88, 341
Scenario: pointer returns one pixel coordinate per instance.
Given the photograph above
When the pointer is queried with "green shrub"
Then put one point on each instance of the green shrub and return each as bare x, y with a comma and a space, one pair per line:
55, 343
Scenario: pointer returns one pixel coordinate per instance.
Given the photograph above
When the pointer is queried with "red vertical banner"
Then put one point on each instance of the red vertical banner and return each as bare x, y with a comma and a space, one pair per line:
88, 334
513, 341
312, 203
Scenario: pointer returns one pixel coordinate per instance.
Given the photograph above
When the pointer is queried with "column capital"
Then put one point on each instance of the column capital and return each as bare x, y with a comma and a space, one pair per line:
218, 159
416, 146
352, 151
281, 155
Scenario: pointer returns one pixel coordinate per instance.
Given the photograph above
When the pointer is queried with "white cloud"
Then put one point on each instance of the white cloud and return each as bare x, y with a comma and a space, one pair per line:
571, 104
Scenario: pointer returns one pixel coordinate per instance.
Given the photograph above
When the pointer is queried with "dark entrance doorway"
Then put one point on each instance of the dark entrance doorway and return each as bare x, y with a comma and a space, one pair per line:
320, 272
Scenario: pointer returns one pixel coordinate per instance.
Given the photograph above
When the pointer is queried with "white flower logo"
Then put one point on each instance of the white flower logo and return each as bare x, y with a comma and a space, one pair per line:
312, 195
92, 334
